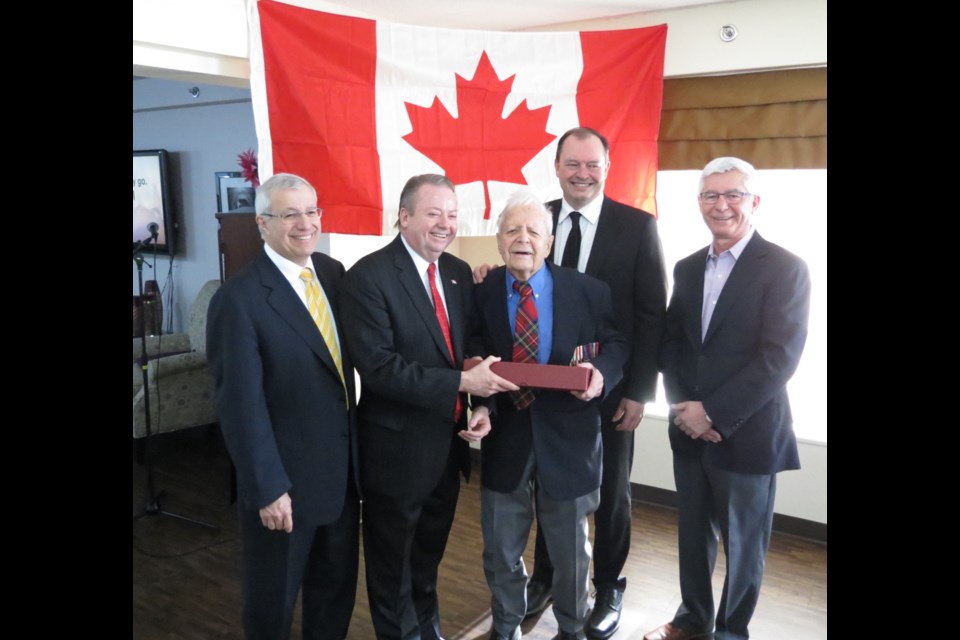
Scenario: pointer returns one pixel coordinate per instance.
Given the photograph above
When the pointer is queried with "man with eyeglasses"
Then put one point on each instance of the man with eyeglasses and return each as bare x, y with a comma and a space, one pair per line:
286, 403
619, 245
736, 327
409, 311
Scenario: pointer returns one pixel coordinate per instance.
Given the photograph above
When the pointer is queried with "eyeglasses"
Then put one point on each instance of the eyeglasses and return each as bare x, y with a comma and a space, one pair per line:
732, 197
289, 217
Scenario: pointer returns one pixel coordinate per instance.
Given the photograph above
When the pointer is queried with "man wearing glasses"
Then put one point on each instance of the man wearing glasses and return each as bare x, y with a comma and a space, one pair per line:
286, 403
736, 326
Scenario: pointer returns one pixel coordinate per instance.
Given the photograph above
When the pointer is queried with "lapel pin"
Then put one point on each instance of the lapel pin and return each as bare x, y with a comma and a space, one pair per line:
453, 282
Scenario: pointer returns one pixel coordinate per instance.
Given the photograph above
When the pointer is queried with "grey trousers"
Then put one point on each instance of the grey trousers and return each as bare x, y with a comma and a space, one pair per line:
738, 507
505, 520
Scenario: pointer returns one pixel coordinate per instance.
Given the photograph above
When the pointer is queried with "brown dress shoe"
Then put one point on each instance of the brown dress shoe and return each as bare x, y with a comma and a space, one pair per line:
670, 631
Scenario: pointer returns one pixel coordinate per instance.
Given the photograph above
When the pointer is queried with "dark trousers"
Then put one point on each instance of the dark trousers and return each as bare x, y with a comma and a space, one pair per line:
738, 507
322, 560
403, 544
612, 519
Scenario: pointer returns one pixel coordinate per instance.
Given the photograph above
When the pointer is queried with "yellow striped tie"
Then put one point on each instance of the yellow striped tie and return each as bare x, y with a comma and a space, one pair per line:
321, 315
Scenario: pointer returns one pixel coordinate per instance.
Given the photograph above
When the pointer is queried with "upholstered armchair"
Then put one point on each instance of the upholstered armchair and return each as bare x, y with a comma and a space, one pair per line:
180, 385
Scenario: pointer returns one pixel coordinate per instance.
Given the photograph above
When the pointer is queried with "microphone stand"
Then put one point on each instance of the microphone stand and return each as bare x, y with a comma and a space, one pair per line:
152, 507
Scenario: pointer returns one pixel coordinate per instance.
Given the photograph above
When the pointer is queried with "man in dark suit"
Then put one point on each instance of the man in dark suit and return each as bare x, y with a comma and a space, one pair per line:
544, 447
285, 399
619, 245
407, 309
736, 326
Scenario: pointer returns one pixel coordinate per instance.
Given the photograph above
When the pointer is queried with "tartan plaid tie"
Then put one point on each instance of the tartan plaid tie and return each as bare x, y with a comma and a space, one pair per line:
526, 338
321, 315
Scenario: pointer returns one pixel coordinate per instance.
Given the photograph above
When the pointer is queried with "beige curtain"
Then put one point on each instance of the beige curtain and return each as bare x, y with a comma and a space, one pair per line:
774, 120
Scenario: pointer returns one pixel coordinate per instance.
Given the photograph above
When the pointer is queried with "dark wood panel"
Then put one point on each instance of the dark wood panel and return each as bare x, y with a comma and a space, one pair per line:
239, 240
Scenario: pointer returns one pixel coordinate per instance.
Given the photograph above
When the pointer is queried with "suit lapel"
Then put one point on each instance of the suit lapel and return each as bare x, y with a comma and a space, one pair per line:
607, 236
287, 304
452, 292
413, 285
332, 292
744, 272
565, 307
695, 267
496, 314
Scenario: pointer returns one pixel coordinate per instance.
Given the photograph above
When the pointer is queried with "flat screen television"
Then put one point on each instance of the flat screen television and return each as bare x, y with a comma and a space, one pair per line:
152, 203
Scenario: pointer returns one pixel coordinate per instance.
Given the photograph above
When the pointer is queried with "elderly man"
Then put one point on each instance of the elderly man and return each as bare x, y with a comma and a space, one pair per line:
545, 447
285, 399
408, 309
619, 245
736, 326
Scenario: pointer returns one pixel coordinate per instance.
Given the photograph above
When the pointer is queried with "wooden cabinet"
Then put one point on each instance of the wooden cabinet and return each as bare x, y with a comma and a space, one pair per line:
239, 240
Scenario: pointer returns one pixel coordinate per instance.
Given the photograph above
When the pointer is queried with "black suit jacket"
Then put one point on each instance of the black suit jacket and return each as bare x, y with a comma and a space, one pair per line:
563, 431
626, 254
409, 381
280, 401
739, 371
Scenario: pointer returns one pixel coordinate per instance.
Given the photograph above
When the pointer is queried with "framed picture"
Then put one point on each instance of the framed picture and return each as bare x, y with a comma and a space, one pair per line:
153, 215
234, 192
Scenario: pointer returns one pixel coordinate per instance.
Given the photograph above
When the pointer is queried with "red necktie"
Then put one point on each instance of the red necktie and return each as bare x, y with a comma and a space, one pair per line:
444, 325
526, 338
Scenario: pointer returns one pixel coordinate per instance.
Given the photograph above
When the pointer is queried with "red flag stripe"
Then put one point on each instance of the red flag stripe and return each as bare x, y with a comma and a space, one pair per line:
321, 91
620, 95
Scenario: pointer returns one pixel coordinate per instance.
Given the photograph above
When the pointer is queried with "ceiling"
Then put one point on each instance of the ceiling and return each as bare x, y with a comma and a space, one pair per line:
491, 15
497, 15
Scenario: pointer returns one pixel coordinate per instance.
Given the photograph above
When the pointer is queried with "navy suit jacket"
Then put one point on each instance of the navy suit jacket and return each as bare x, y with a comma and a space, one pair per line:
409, 381
562, 431
626, 254
280, 400
739, 371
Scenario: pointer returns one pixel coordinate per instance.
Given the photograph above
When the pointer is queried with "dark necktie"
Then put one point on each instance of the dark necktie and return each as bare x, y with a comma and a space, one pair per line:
571, 250
444, 325
526, 338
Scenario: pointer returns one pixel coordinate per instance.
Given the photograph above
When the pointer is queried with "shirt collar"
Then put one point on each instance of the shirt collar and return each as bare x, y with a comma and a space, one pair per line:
590, 211
290, 269
418, 260
537, 281
736, 249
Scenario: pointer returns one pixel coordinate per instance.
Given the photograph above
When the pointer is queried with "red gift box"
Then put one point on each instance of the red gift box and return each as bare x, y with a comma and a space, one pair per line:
539, 376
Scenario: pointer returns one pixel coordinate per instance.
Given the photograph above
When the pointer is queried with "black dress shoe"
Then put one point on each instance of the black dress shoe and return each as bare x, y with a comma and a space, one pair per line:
539, 595
605, 618
570, 635
496, 635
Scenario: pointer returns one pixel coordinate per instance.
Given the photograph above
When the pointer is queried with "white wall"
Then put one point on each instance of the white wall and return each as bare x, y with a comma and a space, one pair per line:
801, 494
208, 41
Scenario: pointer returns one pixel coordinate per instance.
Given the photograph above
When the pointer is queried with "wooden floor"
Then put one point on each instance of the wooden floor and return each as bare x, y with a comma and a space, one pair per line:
186, 581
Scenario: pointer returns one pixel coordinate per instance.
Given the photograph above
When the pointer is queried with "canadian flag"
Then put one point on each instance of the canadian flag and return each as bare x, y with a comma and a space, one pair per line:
358, 106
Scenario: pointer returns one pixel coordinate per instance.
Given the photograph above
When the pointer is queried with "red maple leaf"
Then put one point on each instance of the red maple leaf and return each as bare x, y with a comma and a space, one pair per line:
480, 144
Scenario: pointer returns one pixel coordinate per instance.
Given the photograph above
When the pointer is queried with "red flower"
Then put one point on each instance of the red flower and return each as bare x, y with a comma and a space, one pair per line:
248, 163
